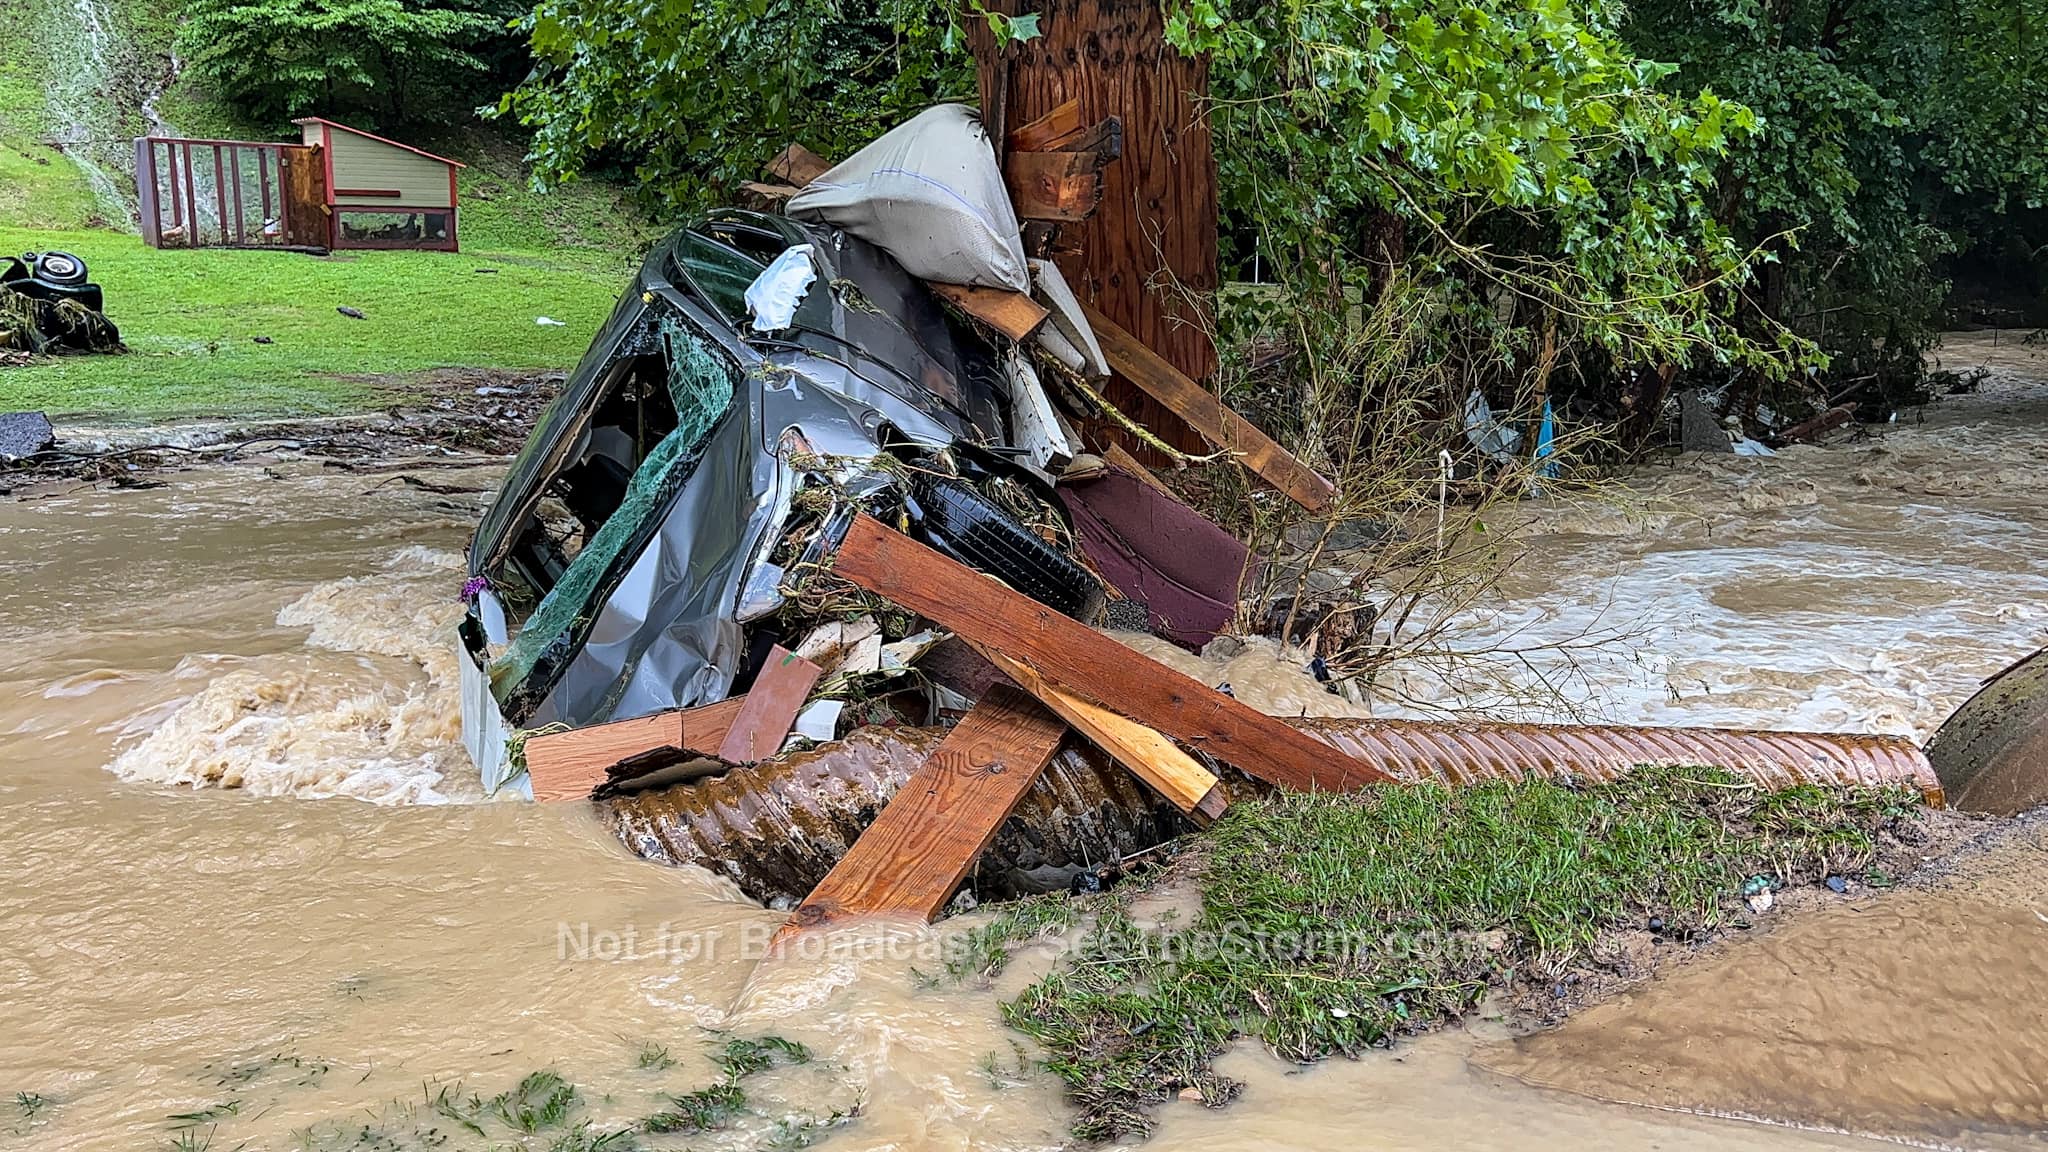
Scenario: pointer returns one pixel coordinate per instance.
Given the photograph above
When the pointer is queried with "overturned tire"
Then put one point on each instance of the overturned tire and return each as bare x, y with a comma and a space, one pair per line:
1992, 753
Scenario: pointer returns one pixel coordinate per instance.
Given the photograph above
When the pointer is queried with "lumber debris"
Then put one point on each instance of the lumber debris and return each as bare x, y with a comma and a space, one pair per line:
1012, 313
1150, 756
1058, 186
764, 720
798, 165
766, 197
567, 765
1116, 456
1044, 133
915, 854
570, 765
1812, 429
1077, 659
1218, 425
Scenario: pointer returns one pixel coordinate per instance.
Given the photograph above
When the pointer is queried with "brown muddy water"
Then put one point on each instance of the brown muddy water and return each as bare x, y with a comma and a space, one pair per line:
249, 870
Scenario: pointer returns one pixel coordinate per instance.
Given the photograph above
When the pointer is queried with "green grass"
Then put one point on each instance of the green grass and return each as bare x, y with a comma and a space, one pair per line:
190, 319
1331, 924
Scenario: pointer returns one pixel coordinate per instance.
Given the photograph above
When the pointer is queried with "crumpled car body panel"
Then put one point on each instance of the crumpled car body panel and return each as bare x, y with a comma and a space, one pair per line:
868, 358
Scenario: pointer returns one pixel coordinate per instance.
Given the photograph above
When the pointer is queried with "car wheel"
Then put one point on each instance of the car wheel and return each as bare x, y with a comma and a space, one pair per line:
972, 529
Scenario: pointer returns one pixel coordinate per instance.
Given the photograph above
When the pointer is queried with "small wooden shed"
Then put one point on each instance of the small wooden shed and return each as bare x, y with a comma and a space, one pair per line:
380, 193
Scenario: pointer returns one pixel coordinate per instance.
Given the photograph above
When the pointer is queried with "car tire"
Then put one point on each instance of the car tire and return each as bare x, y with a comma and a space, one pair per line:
969, 527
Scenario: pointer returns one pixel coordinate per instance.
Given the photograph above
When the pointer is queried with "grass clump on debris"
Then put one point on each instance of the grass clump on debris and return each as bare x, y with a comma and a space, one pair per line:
1332, 924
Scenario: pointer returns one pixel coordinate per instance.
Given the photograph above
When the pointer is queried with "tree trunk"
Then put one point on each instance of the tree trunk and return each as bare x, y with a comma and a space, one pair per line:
1147, 257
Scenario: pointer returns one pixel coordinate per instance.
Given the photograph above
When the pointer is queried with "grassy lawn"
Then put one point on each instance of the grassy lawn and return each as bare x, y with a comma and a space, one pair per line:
191, 319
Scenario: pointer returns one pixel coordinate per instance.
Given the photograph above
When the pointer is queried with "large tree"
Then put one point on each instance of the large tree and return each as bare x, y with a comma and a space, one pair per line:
381, 62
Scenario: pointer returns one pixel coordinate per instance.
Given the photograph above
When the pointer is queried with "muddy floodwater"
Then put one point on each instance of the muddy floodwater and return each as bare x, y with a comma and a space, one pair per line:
250, 878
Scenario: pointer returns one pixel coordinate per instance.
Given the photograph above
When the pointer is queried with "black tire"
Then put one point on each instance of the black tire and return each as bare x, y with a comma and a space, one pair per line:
60, 268
972, 529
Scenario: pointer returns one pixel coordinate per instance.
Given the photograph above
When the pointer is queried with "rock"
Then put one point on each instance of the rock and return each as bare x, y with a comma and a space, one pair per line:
24, 434
1656, 923
1191, 1095
1698, 431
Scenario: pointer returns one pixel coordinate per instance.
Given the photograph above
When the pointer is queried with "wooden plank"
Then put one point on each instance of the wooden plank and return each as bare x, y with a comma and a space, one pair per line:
1082, 661
1061, 186
766, 197
1114, 454
1150, 756
1037, 136
567, 765
798, 165
913, 857
1012, 313
763, 722
1206, 414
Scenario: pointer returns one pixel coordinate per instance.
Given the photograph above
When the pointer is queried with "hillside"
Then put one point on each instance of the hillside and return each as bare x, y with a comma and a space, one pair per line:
78, 81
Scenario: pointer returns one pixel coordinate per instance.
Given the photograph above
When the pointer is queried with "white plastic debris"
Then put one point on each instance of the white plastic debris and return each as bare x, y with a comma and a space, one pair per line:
550, 322
773, 297
931, 193
1066, 334
819, 721
1747, 447
1036, 429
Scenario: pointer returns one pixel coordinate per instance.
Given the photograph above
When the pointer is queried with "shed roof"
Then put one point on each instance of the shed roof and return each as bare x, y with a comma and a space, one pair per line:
378, 139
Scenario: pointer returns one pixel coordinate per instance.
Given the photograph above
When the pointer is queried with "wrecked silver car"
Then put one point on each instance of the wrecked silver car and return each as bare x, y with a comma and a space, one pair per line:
671, 516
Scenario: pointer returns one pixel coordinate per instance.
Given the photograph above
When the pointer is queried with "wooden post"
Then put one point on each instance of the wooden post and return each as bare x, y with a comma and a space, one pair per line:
1147, 257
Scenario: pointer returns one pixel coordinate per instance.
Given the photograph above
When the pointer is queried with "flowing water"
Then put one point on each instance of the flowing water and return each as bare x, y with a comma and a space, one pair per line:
251, 876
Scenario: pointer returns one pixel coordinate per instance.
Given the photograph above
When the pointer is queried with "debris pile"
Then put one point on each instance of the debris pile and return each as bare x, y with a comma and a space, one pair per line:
805, 573
49, 304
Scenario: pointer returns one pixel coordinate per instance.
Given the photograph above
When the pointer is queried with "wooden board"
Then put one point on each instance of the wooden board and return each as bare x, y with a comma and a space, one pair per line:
798, 165
1012, 313
1150, 756
1039, 135
766, 197
763, 722
913, 857
1220, 426
1061, 186
1114, 454
567, 765
1080, 660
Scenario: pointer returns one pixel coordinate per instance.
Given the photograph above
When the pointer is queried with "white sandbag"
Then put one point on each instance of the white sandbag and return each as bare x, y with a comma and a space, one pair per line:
931, 193
1068, 336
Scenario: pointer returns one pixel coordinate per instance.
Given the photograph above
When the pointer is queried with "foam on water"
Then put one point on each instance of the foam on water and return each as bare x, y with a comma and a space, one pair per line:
369, 710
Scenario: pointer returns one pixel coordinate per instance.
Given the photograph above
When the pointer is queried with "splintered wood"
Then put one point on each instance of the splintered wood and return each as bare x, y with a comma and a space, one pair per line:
913, 857
1077, 659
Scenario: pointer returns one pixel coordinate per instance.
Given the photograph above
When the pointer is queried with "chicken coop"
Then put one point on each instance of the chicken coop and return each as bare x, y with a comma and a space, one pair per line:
338, 187
380, 193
